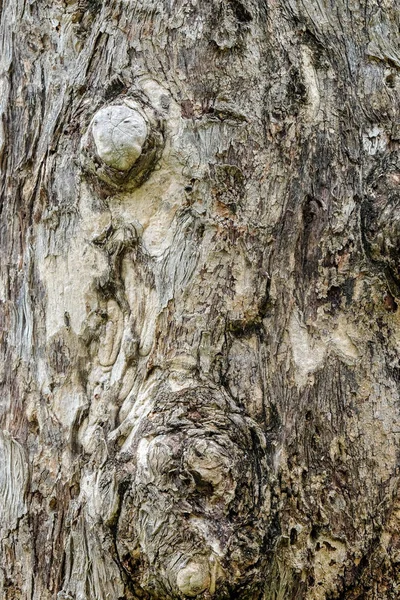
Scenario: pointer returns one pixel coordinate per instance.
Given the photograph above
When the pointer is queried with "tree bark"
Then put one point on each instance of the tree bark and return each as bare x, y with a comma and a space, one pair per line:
199, 288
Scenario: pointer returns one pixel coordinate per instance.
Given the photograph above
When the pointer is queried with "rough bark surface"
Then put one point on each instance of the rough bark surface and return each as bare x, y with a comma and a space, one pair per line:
199, 287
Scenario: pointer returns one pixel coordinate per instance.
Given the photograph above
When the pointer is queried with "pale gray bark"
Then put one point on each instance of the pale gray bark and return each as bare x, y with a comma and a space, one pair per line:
199, 287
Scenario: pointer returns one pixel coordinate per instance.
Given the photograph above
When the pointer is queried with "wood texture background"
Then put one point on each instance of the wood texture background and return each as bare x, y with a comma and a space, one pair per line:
199, 367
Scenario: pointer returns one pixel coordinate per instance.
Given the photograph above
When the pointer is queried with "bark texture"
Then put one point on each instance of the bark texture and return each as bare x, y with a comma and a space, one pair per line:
199, 288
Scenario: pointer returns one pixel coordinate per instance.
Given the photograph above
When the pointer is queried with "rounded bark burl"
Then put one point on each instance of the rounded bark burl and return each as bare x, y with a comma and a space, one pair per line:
197, 491
119, 134
193, 579
122, 145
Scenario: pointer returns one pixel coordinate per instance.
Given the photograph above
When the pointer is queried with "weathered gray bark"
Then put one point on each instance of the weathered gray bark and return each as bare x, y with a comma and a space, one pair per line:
199, 280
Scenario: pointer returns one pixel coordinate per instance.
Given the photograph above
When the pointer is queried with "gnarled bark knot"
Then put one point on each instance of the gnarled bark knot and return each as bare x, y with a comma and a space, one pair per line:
119, 133
197, 498
122, 144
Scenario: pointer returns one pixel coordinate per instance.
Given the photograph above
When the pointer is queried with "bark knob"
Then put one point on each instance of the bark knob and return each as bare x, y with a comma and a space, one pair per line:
193, 579
119, 133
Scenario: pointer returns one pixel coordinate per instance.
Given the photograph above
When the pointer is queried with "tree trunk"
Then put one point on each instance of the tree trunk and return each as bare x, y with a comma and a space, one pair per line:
199, 283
